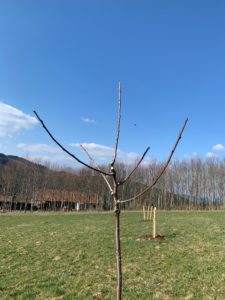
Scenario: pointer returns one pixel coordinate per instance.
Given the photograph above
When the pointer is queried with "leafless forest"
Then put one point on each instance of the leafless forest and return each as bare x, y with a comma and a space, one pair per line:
187, 184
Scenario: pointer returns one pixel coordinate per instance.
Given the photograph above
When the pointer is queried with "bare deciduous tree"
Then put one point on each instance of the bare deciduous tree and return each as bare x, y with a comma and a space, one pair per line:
114, 183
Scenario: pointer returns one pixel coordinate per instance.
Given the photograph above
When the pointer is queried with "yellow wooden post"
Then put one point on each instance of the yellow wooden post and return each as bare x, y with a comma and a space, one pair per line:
144, 212
150, 217
154, 223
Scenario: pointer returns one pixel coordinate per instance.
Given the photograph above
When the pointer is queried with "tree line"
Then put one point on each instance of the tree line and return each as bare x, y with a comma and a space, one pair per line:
187, 184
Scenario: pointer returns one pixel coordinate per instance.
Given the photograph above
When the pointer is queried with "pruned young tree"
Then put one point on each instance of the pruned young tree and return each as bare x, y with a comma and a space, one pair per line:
114, 184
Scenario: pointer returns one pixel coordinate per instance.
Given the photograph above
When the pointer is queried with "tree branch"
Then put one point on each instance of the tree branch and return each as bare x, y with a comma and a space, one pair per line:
118, 126
155, 180
67, 151
101, 172
135, 168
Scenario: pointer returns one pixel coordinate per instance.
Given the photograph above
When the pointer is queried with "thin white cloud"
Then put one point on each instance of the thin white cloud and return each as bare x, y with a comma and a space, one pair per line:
98, 151
44, 154
87, 120
38, 148
53, 154
12, 120
194, 154
105, 153
218, 147
211, 155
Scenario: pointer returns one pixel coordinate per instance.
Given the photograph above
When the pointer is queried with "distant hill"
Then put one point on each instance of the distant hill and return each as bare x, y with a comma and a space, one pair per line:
5, 159
10, 159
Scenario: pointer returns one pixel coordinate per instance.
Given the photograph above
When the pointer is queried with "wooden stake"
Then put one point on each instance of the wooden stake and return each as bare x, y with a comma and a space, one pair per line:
144, 212
150, 217
148, 213
154, 223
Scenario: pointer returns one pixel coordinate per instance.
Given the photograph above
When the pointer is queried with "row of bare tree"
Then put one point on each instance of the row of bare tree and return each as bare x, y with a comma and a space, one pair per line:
187, 184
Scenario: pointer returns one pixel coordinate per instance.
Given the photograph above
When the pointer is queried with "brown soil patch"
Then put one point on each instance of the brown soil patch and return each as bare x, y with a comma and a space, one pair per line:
149, 237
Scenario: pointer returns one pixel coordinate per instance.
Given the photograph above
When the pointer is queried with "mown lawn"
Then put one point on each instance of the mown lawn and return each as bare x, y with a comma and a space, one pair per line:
71, 256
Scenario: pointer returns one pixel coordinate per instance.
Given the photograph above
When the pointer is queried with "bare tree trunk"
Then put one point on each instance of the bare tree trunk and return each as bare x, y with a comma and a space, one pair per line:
118, 251
117, 234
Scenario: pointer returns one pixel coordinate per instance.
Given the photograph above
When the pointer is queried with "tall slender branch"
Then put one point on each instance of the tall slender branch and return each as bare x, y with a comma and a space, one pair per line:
67, 151
118, 126
135, 168
155, 180
96, 165
114, 189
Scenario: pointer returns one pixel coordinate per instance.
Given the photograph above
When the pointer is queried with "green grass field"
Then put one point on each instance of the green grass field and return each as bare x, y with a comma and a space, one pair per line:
71, 256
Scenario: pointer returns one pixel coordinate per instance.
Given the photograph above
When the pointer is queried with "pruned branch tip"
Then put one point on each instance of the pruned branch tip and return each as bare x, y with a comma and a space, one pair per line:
118, 125
155, 180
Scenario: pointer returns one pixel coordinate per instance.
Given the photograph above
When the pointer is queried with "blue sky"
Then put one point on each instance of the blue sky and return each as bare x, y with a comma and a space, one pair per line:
65, 58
